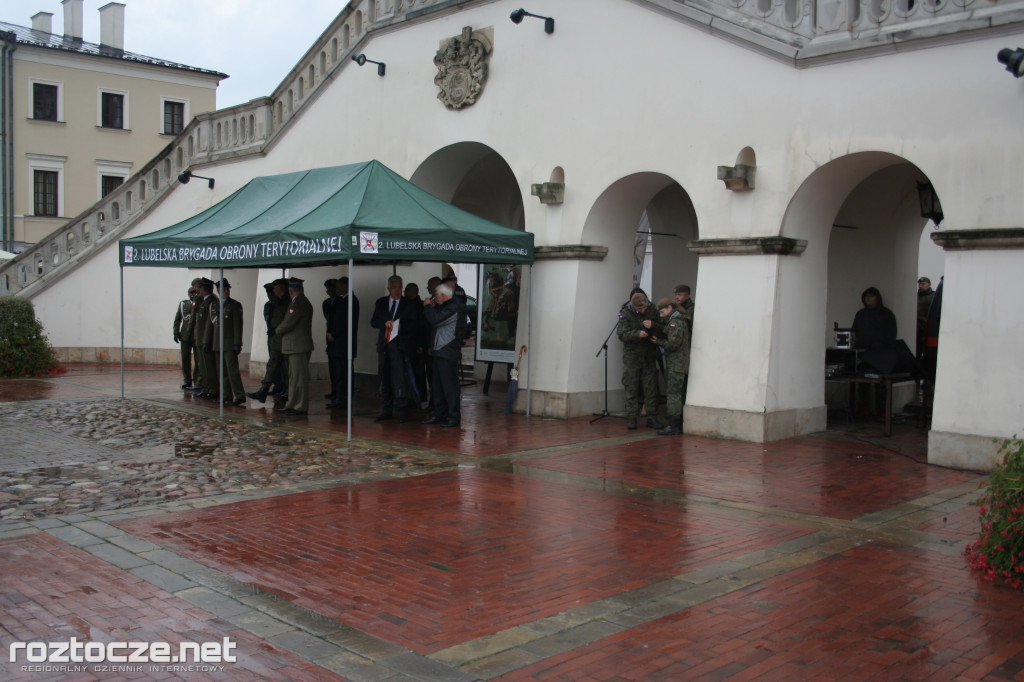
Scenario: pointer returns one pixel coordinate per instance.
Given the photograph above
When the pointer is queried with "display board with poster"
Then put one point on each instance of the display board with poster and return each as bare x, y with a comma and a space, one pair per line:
498, 312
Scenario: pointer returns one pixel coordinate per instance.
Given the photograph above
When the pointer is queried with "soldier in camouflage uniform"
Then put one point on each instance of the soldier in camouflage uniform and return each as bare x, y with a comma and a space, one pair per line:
639, 358
675, 341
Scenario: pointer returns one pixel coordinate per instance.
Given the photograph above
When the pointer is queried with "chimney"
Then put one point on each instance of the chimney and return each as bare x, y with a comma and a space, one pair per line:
42, 21
72, 19
112, 25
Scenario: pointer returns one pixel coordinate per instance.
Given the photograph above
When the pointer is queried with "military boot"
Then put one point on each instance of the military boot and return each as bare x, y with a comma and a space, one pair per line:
673, 428
652, 423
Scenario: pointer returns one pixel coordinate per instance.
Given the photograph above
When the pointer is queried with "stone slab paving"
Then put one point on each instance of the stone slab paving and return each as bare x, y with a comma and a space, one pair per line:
558, 553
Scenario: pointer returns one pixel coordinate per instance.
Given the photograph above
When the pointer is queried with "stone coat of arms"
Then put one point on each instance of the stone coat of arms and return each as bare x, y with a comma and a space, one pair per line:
462, 68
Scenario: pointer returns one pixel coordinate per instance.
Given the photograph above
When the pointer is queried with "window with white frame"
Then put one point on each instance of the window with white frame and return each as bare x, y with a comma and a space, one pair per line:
46, 184
175, 115
111, 175
113, 109
47, 100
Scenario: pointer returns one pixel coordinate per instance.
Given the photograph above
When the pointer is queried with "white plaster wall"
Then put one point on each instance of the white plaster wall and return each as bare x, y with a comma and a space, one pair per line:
980, 362
681, 104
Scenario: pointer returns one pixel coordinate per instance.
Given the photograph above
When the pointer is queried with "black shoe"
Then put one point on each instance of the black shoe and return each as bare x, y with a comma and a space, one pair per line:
187, 385
280, 409
673, 428
652, 423
237, 402
433, 420
632, 423
260, 395
282, 397
383, 416
403, 417
195, 389
292, 412
451, 422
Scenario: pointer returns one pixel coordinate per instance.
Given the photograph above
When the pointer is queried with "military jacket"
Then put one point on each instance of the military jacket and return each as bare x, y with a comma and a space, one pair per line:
184, 320
296, 330
277, 314
635, 348
232, 324
675, 340
201, 320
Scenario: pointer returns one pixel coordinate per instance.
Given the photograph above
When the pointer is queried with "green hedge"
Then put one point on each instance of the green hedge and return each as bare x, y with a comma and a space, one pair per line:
24, 348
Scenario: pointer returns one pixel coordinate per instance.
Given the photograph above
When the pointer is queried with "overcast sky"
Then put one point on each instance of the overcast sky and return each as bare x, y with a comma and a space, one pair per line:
255, 42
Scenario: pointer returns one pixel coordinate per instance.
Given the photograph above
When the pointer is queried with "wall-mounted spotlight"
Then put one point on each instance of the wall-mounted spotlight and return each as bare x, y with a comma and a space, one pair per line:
361, 59
187, 175
1013, 59
517, 17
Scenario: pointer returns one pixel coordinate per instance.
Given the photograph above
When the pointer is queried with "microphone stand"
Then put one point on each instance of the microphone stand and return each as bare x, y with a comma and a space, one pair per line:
604, 348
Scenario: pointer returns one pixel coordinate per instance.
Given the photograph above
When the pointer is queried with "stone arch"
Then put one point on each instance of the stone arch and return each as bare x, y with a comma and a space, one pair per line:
860, 217
604, 285
475, 178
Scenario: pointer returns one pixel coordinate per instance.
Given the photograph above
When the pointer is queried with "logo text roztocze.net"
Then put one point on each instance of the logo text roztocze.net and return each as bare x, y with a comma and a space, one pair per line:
75, 651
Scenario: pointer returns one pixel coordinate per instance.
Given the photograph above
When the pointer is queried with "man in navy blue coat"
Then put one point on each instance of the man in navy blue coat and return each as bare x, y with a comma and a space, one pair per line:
394, 350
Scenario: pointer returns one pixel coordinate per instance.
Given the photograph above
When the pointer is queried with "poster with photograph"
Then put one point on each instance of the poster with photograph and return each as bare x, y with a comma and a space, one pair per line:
498, 312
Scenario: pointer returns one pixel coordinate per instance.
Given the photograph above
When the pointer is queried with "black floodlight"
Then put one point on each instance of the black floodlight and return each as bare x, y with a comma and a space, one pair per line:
187, 175
517, 17
361, 59
1013, 59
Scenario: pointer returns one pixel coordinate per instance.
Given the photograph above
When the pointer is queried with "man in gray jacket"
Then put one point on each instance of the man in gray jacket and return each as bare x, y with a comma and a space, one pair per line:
447, 319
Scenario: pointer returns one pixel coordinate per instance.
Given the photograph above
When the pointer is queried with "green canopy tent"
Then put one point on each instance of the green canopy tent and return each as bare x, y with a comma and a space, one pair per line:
326, 216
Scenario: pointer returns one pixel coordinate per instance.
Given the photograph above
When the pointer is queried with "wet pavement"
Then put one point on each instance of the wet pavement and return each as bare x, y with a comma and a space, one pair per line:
514, 548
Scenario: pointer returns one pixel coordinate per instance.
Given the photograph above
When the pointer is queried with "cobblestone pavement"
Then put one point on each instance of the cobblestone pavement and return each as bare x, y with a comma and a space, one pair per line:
515, 548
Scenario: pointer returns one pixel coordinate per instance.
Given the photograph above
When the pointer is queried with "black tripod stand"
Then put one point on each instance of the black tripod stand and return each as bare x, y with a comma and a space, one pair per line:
604, 348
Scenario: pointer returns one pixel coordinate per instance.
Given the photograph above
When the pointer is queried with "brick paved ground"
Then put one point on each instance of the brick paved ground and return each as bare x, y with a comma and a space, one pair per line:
513, 549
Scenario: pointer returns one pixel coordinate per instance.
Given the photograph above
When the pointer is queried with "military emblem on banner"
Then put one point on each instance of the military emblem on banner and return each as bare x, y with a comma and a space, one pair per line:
129, 254
368, 242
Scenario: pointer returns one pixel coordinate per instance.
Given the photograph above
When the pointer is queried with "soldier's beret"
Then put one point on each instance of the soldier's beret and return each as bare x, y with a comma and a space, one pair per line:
268, 286
206, 283
682, 288
664, 303
295, 282
225, 283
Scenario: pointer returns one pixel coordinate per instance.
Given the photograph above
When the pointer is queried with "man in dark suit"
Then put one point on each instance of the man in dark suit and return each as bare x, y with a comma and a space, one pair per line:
397, 320
331, 289
337, 343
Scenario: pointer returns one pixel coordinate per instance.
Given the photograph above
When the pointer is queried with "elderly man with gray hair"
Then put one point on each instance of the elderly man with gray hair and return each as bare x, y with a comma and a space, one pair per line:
447, 319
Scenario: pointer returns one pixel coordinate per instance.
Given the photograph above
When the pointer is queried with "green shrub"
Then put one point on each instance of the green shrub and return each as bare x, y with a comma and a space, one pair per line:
998, 553
24, 348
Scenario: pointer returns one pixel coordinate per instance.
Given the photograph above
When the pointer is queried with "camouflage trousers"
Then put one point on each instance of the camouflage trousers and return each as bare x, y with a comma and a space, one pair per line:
636, 376
675, 394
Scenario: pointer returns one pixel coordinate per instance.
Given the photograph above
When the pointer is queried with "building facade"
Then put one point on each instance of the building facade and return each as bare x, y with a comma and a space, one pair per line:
778, 151
82, 117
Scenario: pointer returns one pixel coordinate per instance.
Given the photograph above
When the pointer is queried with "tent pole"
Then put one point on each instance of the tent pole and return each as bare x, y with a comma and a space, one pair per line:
529, 340
220, 314
122, 332
351, 294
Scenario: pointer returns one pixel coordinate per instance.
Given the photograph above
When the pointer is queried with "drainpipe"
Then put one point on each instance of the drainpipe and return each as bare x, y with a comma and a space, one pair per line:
7, 46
